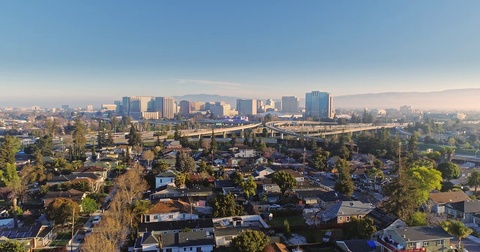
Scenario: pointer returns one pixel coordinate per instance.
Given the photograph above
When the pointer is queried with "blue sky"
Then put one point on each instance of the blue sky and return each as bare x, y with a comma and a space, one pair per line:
79, 52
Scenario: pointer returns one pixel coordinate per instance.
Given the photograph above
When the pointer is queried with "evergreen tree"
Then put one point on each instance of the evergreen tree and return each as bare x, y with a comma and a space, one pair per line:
79, 132
344, 183
8, 149
402, 197
134, 137
213, 143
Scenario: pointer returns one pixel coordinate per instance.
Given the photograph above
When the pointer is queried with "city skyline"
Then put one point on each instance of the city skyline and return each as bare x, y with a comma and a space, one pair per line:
85, 52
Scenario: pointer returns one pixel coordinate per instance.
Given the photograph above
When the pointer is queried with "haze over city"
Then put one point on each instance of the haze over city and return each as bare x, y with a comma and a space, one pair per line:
91, 52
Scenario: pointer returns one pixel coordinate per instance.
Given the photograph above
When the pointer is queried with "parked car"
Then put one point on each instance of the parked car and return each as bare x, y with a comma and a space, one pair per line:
274, 207
327, 236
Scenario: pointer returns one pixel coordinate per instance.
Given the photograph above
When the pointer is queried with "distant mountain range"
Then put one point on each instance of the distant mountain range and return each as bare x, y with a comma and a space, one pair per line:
454, 99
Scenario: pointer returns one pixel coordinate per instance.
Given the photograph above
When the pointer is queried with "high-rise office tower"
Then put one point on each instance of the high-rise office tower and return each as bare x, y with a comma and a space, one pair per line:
165, 106
269, 105
220, 109
289, 104
185, 107
134, 105
319, 104
246, 107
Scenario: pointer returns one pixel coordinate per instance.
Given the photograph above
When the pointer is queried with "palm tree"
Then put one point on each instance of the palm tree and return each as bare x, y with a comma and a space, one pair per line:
474, 179
457, 228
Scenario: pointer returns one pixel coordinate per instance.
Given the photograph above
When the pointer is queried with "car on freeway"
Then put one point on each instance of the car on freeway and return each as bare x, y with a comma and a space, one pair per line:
96, 219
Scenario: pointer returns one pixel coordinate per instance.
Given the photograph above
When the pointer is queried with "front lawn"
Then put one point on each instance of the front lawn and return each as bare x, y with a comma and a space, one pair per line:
277, 222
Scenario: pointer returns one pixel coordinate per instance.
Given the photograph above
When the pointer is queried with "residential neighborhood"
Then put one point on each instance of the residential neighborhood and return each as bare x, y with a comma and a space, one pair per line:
96, 192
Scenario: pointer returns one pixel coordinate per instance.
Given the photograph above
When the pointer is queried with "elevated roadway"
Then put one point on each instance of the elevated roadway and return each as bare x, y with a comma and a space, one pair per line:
297, 129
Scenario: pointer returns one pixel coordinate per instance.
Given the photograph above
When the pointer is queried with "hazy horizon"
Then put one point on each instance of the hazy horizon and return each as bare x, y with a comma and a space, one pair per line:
90, 52
460, 99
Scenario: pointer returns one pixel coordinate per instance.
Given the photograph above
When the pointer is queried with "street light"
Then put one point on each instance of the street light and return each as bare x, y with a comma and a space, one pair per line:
476, 155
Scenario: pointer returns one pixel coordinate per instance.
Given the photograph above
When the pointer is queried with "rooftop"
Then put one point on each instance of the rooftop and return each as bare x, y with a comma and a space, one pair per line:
169, 207
449, 197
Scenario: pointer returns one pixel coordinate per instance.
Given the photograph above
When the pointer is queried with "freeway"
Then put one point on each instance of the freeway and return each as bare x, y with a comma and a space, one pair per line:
148, 136
300, 127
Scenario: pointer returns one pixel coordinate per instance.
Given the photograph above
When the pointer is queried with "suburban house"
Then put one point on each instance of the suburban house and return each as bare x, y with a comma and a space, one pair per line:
93, 180
198, 194
260, 206
228, 228
326, 199
75, 195
423, 238
465, 210
261, 172
101, 172
172, 145
309, 197
165, 178
176, 226
220, 184
356, 245
175, 242
344, 211
437, 201
245, 152
236, 162
297, 175
383, 220
261, 161
169, 210
34, 237
268, 186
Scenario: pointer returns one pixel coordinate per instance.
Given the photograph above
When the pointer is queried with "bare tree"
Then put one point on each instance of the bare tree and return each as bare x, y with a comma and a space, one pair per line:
132, 183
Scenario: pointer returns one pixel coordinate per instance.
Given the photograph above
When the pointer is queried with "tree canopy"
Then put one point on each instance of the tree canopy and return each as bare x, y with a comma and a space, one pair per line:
61, 210
426, 180
249, 187
318, 159
402, 197
89, 205
184, 163
359, 228
344, 183
79, 132
250, 241
284, 180
8, 149
449, 170
225, 206
12, 246
134, 137
474, 179
458, 229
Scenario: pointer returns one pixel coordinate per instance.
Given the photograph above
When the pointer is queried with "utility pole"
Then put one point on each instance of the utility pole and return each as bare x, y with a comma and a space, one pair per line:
73, 227
304, 153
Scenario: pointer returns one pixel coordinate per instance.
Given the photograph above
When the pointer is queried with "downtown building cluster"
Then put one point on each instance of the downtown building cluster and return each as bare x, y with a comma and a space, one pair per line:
317, 105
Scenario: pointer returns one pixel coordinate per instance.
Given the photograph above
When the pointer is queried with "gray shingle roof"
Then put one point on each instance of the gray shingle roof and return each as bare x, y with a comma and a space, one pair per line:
349, 208
182, 239
423, 233
467, 206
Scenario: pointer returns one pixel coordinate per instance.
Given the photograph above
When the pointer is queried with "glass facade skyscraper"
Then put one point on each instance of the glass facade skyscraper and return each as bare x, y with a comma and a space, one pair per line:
319, 105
